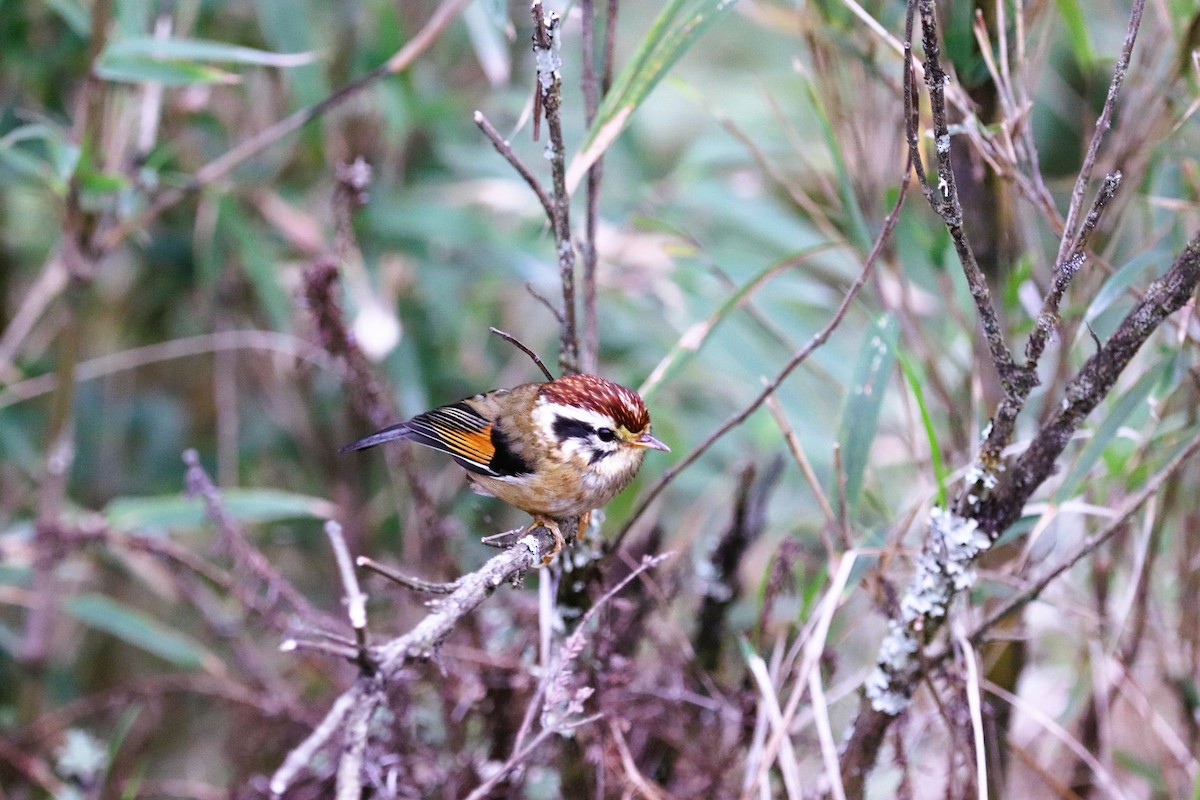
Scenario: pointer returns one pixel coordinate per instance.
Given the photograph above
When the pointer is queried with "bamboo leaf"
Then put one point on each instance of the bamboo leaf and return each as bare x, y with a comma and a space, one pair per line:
677, 28
139, 69
139, 630
200, 50
1132, 401
694, 338
1077, 32
915, 385
246, 505
860, 417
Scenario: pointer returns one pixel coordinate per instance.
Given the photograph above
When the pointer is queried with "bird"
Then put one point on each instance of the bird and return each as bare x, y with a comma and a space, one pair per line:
556, 450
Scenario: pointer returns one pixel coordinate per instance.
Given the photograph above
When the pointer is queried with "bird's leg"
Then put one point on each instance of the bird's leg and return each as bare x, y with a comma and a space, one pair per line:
585, 525
551, 525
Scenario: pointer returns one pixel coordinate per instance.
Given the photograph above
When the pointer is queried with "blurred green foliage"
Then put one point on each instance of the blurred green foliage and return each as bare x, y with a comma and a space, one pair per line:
776, 137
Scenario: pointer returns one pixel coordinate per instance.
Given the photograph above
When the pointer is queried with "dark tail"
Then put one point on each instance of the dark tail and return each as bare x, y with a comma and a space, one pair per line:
395, 432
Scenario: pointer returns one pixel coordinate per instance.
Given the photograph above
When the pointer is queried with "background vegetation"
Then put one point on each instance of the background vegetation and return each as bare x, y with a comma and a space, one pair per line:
174, 272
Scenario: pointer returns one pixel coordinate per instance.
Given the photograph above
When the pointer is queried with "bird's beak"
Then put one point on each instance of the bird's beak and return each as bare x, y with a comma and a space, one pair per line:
650, 443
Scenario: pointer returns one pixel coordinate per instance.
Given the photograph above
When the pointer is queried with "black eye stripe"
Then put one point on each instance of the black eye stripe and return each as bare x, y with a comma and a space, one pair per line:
567, 428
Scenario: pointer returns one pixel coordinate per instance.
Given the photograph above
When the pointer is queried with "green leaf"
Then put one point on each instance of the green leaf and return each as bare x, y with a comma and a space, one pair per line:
139, 630
1133, 400
51, 164
856, 224
861, 415
695, 337
202, 50
139, 69
1118, 282
77, 18
935, 452
1077, 32
246, 505
677, 28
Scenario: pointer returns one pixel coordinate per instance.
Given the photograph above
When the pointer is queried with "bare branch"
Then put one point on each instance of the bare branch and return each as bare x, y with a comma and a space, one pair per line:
356, 601
225, 163
419, 643
798, 358
944, 197
515, 342
549, 93
1070, 239
407, 581
505, 149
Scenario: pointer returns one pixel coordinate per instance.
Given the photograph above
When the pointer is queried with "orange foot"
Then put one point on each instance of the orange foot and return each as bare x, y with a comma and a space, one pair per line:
559, 542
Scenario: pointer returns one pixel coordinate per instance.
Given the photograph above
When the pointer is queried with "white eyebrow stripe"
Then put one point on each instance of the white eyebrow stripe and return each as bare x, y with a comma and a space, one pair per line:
585, 415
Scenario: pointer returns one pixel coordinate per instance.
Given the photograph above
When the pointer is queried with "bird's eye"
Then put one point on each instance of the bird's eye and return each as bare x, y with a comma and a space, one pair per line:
605, 434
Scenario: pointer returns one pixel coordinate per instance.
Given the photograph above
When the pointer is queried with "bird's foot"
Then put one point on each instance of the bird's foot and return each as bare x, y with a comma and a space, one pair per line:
559, 541
585, 527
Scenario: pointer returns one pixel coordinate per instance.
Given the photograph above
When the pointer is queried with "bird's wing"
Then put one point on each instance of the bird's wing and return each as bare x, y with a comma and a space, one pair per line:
460, 431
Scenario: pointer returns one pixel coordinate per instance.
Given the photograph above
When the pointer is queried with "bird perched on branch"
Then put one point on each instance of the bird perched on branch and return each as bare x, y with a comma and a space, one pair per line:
556, 450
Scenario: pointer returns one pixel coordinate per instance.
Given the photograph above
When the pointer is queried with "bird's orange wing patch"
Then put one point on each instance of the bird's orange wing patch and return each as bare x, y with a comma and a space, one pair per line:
459, 431
473, 445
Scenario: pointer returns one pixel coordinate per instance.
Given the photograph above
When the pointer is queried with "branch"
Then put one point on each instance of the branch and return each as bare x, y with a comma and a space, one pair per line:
1088, 546
944, 198
517, 343
390, 658
225, 163
1070, 238
548, 92
798, 358
1084, 392
945, 566
994, 499
505, 149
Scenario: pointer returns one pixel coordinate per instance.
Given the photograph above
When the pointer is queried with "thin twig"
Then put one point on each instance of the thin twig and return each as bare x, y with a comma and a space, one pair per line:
349, 652
810, 475
250, 565
1070, 237
355, 736
554, 310
817, 340
224, 164
517, 343
356, 601
204, 344
648, 788
301, 756
944, 198
421, 642
407, 581
1066, 270
505, 149
484, 789
1088, 546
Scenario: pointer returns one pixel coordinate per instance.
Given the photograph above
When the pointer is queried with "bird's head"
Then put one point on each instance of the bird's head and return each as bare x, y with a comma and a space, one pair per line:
598, 424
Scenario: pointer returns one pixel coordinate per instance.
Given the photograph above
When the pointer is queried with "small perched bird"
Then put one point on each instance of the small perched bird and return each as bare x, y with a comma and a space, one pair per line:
556, 450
